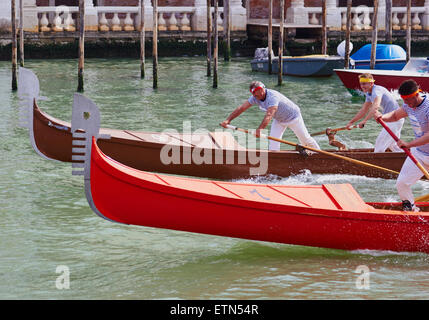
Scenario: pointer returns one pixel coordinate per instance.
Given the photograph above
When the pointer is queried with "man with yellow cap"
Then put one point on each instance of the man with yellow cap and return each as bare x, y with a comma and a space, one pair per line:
376, 97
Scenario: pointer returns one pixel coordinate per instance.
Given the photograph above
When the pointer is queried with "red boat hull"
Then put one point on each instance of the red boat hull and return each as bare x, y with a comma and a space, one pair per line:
330, 216
390, 80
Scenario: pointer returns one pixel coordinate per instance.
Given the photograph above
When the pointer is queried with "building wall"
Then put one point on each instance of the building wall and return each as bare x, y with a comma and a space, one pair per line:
259, 9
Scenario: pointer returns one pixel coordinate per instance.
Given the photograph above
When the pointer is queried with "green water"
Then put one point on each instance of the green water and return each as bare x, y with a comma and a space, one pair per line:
46, 221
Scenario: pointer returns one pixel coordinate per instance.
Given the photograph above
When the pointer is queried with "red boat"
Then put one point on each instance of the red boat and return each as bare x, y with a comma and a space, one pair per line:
330, 216
416, 69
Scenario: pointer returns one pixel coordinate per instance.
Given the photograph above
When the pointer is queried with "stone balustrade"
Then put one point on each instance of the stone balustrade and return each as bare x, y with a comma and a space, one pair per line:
128, 18
362, 19
193, 18
62, 18
300, 15
57, 19
109, 18
314, 15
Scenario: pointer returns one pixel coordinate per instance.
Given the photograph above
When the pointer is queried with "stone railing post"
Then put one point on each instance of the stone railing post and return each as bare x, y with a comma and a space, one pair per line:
425, 20
91, 16
333, 15
199, 18
238, 16
31, 21
148, 16
297, 13
381, 15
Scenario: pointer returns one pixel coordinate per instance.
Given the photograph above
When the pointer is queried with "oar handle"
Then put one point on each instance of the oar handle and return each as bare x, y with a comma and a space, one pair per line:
228, 126
407, 151
327, 131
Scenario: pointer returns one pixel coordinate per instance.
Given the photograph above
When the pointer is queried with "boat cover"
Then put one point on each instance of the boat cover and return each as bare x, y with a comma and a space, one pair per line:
383, 51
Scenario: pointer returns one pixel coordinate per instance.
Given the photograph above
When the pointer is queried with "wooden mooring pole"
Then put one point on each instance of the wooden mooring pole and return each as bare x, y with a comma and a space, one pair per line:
324, 29
282, 18
388, 21
348, 30
374, 36
21, 34
227, 29
408, 39
216, 44
209, 38
81, 53
14, 52
142, 40
155, 44
270, 36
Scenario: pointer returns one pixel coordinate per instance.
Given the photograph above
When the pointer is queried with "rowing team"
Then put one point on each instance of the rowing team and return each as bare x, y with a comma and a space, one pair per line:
286, 114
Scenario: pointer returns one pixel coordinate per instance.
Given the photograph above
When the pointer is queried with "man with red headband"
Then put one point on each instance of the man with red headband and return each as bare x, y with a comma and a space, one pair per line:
416, 108
285, 113
376, 97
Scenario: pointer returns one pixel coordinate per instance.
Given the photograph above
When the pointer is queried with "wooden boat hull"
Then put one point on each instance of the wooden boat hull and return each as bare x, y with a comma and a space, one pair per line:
141, 150
316, 66
330, 216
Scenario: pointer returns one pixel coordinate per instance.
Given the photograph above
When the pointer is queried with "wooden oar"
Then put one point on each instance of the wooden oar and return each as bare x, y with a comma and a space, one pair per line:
407, 151
317, 150
327, 131
410, 155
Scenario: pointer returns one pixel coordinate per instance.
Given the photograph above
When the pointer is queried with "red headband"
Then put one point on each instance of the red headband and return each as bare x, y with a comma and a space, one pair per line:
411, 95
256, 89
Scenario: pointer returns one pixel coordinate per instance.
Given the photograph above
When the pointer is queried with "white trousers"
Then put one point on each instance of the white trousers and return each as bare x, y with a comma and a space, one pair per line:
410, 174
298, 127
385, 141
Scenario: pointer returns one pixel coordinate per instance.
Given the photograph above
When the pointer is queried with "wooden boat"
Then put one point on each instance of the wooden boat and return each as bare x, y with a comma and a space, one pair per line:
303, 66
52, 139
141, 150
387, 57
416, 69
330, 216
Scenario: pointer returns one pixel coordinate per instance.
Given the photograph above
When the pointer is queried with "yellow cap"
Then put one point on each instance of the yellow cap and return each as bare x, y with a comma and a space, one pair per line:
365, 80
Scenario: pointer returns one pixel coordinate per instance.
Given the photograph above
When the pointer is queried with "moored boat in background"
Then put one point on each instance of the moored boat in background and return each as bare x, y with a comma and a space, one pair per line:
316, 65
416, 69
387, 57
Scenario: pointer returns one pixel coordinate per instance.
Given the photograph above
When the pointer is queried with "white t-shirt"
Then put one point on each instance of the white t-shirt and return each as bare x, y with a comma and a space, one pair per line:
287, 110
388, 102
419, 119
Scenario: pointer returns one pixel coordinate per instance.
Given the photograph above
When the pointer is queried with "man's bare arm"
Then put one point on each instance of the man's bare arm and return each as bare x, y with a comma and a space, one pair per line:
239, 110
